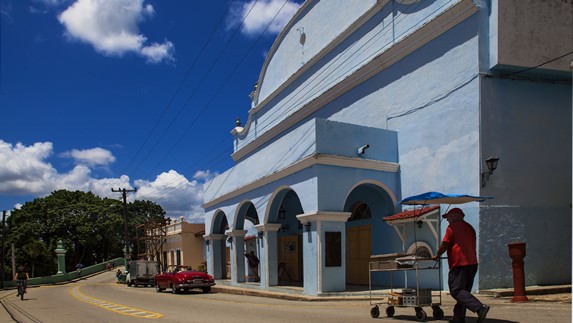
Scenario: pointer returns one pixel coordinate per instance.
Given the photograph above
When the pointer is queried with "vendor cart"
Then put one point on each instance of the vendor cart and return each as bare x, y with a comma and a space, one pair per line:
415, 297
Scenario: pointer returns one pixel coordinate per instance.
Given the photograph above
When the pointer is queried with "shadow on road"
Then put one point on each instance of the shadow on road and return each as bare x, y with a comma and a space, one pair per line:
412, 318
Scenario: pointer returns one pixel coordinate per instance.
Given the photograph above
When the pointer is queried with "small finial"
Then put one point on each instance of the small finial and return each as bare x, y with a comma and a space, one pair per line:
238, 122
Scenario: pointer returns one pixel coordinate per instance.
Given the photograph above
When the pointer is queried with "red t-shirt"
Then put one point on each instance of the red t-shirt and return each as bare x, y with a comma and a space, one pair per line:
462, 239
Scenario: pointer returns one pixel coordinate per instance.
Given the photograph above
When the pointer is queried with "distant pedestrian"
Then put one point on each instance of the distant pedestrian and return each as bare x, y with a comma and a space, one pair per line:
460, 243
253, 264
119, 276
79, 267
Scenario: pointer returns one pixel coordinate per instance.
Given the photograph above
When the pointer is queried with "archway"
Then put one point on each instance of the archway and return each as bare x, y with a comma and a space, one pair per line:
246, 219
368, 203
221, 251
285, 207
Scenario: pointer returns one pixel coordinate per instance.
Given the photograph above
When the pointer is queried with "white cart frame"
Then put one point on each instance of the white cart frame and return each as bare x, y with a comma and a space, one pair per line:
417, 297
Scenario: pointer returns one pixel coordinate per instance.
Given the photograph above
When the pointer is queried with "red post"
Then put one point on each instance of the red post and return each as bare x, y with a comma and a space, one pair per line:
517, 253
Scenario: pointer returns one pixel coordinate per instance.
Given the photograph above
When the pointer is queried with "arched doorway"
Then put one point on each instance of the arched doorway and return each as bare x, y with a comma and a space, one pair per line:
220, 249
359, 244
246, 219
369, 204
289, 254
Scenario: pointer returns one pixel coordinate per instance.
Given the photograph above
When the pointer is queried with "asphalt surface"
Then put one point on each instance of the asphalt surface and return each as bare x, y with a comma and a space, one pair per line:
542, 299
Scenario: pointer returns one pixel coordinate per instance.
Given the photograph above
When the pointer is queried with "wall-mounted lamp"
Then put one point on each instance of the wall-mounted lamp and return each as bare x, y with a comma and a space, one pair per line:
230, 239
362, 150
261, 234
419, 224
282, 213
307, 226
491, 163
207, 242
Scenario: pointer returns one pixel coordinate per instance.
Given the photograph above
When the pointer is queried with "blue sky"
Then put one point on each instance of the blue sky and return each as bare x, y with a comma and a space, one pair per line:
101, 94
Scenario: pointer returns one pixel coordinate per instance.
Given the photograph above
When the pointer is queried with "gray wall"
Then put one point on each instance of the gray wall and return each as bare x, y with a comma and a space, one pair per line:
527, 124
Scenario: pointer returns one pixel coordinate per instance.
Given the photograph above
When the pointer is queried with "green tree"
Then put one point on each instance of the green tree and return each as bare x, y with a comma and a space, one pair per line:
91, 228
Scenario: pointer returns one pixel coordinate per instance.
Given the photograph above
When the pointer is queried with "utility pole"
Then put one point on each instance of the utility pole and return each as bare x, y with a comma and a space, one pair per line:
124, 192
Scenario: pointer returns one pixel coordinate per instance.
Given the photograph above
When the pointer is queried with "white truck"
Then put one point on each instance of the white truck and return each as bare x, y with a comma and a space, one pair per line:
142, 272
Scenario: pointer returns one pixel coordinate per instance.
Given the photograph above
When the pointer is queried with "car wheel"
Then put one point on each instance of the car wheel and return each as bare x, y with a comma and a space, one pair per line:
157, 288
174, 289
206, 289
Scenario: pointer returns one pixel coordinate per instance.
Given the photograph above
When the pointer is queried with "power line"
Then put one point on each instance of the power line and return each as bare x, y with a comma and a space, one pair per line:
219, 157
194, 90
321, 84
332, 63
214, 96
537, 66
179, 87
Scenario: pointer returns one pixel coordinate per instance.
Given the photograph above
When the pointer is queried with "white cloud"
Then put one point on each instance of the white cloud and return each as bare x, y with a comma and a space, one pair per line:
155, 53
25, 170
91, 157
176, 194
111, 27
262, 14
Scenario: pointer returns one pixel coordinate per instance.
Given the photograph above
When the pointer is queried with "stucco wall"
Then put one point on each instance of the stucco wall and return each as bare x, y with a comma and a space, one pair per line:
527, 124
436, 118
372, 37
321, 22
526, 33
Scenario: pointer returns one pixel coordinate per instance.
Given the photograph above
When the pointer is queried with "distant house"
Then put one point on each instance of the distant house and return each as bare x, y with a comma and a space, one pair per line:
361, 103
184, 244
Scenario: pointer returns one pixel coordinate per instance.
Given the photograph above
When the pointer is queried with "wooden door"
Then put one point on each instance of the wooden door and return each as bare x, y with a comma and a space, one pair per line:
289, 255
358, 251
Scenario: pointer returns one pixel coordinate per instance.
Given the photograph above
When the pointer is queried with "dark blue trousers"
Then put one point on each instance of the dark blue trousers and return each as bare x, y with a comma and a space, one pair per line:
460, 281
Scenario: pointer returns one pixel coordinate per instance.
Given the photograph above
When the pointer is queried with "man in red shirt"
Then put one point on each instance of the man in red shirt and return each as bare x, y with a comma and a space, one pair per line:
460, 243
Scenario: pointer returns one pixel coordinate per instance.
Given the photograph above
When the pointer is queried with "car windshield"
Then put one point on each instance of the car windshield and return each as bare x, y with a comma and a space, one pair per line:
177, 268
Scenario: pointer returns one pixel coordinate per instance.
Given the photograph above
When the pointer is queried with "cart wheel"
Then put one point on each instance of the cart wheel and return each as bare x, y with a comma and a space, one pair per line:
375, 312
390, 311
438, 313
421, 314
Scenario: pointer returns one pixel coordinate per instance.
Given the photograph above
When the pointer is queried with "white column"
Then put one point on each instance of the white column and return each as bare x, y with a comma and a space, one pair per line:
318, 278
237, 242
267, 253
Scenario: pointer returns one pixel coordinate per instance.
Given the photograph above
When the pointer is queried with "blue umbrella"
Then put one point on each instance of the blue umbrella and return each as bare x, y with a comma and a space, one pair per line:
441, 198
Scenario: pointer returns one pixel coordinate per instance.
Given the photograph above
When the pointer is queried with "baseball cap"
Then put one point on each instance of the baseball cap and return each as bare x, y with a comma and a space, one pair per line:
453, 211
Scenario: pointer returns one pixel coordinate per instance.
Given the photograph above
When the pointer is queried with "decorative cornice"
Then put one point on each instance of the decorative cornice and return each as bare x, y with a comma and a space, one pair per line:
322, 216
316, 159
214, 237
268, 227
236, 233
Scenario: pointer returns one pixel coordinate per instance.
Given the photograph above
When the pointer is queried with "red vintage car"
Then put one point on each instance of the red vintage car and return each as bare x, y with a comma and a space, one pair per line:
182, 278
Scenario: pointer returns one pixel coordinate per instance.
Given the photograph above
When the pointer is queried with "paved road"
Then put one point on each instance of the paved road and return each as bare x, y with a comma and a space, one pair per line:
99, 299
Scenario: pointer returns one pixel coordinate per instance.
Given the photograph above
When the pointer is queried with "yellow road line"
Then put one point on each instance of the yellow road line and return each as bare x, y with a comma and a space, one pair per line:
117, 308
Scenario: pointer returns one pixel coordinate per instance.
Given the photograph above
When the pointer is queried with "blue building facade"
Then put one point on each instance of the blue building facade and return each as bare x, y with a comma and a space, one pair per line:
362, 102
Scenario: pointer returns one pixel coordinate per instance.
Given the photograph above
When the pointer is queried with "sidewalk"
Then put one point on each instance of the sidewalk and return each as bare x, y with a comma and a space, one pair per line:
556, 293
